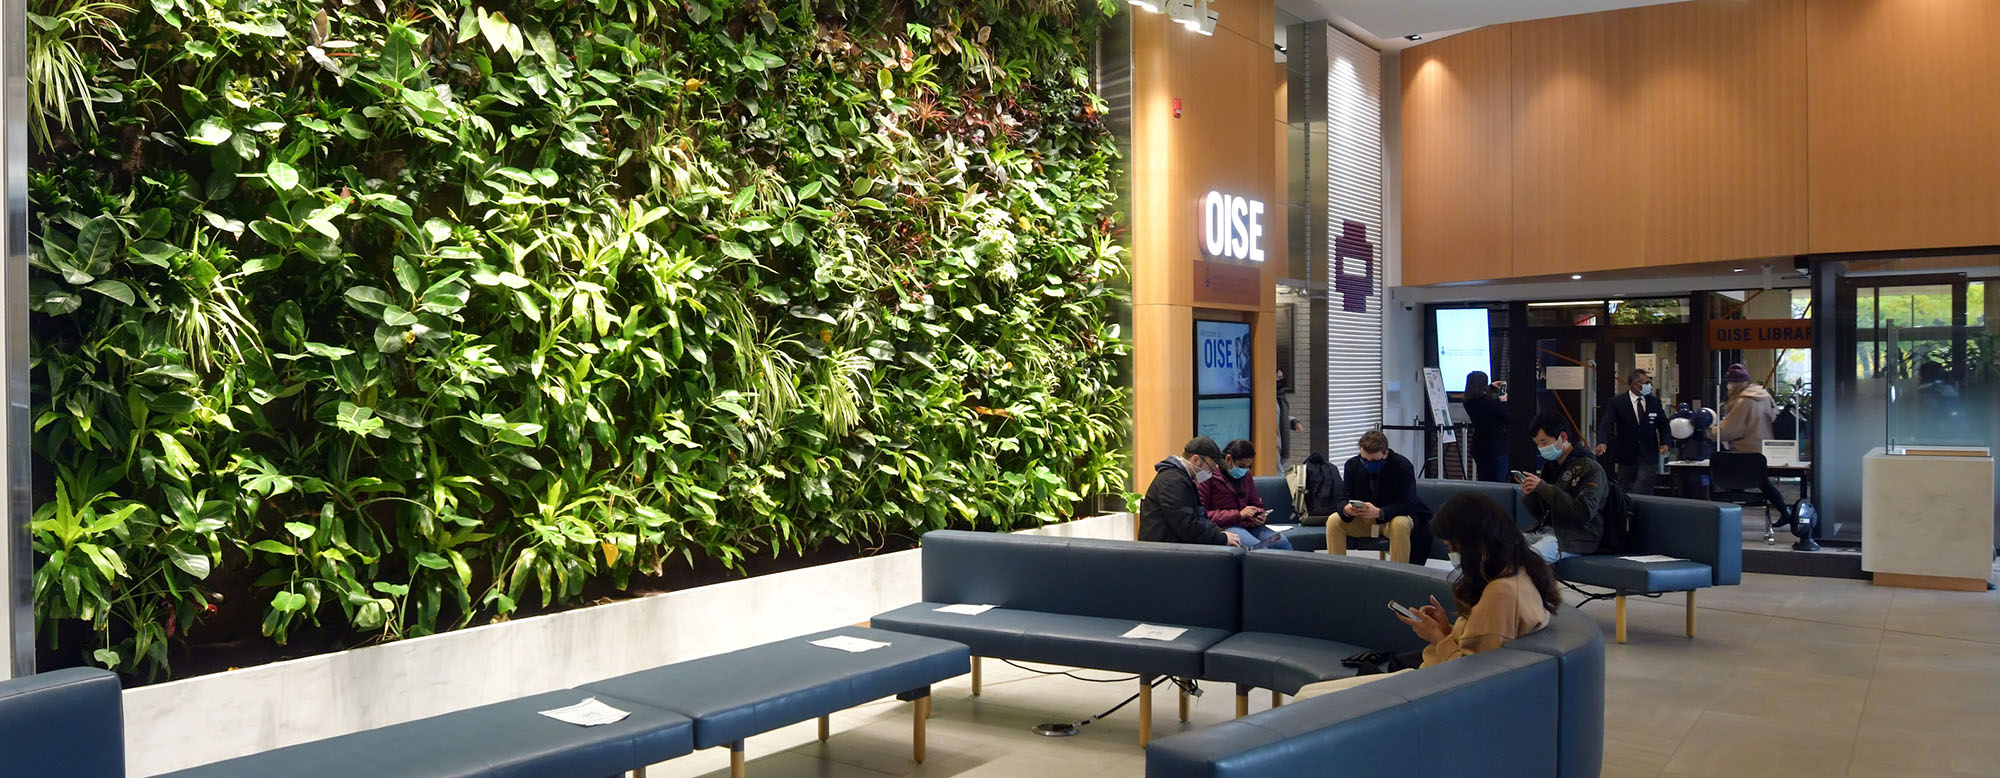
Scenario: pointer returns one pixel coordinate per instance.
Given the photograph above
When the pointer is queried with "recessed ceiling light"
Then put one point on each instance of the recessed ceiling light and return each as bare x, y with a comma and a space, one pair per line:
1576, 278
1738, 270
1413, 37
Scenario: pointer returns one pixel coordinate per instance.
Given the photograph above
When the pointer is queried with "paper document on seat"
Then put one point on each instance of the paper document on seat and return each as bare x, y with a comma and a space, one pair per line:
852, 645
1150, 632
589, 713
965, 610
1651, 558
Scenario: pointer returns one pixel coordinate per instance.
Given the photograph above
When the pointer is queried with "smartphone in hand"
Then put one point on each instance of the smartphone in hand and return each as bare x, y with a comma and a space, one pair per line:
1520, 477
1404, 611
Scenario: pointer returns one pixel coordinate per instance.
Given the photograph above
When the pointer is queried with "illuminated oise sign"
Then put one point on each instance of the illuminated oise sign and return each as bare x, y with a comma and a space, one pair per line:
1232, 227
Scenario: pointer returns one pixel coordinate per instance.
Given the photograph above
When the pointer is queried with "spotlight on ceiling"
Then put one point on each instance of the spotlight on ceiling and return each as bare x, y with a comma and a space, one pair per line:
1576, 278
1148, 5
1413, 37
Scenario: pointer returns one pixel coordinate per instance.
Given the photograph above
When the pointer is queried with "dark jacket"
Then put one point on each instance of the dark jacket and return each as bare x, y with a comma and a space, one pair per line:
1171, 511
1394, 490
1628, 439
1571, 501
1225, 498
1490, 419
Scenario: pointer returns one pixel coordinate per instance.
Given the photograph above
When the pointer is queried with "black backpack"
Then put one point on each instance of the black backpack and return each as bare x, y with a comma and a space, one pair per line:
1323, 489
1617, 515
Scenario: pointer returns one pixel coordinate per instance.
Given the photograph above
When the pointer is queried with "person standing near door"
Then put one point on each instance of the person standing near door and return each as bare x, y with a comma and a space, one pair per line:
1632, 435
1486, 406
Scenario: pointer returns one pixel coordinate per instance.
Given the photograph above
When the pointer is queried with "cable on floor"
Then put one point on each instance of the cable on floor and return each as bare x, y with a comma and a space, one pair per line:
1067, 674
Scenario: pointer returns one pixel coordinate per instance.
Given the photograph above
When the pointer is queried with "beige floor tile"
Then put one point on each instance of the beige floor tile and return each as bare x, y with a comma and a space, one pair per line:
1900, 649
1965, 615
1819, 703
1724, 745
1641, 735
1911, 749
1952, 690
1904, 771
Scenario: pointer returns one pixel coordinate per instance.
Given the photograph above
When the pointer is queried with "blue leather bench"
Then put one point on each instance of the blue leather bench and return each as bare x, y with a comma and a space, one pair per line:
742, 693
1707, 535
701, 703
68, 723
507, 739
1068, 601
1541, 700
1283, 646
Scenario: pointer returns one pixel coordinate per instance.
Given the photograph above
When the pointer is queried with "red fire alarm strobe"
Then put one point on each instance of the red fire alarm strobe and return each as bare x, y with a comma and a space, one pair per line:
1177, 108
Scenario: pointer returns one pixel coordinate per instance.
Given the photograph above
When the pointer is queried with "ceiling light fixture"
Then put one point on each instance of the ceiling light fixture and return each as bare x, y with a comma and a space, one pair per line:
1738, 270
1413, 37
1576, 278
1148, 5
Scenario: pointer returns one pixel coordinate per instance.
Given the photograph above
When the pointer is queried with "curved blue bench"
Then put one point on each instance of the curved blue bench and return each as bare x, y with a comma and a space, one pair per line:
1539, 702
69, 723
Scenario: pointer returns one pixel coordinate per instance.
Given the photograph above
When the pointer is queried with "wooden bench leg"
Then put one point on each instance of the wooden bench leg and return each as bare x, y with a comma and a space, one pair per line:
975, 676
1242, 701
1184, 706
1145, 710
1690, 613
736, 769
639, 773
923, 711
1277, 699
1621, 619
825, 728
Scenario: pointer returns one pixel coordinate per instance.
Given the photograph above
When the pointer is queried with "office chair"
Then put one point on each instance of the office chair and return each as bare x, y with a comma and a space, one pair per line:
1739, 478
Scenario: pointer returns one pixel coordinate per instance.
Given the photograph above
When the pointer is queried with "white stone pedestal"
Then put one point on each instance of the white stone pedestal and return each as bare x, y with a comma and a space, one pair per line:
1927, 521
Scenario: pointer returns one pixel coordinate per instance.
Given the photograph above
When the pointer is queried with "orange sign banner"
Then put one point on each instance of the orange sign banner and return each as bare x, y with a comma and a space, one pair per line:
1726, 334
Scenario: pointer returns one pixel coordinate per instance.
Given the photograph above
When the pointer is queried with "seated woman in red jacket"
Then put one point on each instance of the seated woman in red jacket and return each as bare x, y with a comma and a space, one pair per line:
1232, 501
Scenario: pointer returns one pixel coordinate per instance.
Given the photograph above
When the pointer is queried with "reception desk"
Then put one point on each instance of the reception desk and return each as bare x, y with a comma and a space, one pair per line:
1927, 521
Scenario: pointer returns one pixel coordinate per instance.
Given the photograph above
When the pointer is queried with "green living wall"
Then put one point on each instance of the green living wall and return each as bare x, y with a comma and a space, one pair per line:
385, 317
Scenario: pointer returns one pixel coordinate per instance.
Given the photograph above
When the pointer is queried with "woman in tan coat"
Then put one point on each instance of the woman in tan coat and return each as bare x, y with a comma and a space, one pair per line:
1746, 424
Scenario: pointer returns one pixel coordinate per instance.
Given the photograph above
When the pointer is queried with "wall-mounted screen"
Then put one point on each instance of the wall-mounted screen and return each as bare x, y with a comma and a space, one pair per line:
1464, 345
1221, 358
1223, 419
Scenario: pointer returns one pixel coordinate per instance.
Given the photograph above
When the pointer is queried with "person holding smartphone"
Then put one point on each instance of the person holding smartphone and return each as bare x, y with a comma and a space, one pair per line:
1382, 487
1171, 510
1503, 591
1233, 503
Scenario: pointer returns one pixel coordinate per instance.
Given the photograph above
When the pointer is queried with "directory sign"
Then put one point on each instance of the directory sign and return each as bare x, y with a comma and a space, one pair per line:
1222, 358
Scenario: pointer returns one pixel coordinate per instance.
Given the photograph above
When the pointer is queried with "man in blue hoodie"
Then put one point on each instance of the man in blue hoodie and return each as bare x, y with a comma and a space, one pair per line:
1171, 511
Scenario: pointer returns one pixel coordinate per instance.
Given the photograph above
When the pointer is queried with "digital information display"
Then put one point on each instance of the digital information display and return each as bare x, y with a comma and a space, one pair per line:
1222, 358
1464, 345
1223, 419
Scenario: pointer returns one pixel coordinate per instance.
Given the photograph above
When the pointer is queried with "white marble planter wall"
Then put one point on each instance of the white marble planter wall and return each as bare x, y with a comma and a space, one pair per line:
200, 720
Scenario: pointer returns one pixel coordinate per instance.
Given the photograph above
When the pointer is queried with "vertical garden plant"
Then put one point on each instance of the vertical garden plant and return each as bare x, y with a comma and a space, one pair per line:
388, 317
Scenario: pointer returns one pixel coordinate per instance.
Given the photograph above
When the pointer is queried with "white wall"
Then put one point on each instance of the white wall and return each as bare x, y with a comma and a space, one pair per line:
192, 722
1354, 193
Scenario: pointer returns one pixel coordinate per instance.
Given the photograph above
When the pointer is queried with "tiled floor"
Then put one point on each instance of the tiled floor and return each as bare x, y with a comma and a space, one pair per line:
1789, 677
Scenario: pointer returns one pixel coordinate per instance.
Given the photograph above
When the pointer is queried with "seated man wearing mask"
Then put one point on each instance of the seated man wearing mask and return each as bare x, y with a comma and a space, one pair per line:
1382, 490
1567, 498
1171, 511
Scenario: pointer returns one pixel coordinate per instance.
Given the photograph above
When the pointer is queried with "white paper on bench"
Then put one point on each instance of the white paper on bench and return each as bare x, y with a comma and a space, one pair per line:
1651, 558
1150, 632
589, 713
850, 644
965, 610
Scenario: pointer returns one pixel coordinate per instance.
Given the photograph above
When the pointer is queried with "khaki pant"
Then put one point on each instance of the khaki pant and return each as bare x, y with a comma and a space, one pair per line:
1397, 531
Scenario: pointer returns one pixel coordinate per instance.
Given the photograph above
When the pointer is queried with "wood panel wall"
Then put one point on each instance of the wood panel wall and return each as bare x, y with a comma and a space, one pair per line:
1699, 132
1904, 100
1224, 140
1458, 191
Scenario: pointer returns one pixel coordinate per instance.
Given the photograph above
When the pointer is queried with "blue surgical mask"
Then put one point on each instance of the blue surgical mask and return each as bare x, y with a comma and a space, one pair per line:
1238, 472
1646, 390
1373, 466
1551, 452
1454, 557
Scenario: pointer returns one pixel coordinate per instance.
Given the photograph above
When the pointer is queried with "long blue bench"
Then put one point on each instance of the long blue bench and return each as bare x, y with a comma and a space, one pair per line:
1065, 601
714, 701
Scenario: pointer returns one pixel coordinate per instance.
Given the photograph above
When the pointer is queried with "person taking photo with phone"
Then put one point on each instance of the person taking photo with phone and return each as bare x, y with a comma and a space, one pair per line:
1232, 501
1382, 493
